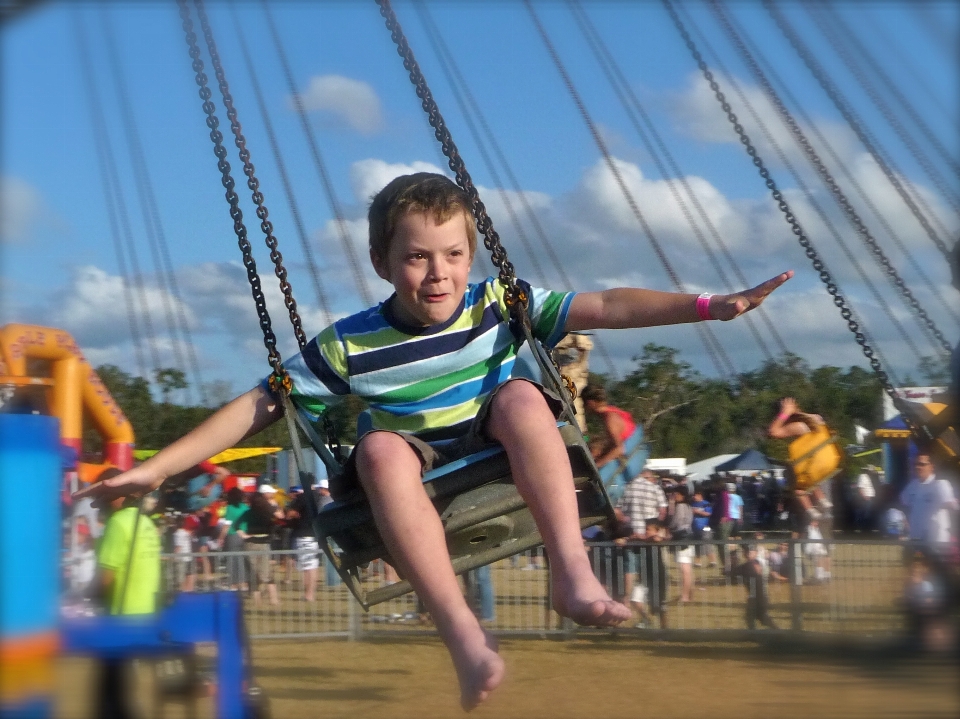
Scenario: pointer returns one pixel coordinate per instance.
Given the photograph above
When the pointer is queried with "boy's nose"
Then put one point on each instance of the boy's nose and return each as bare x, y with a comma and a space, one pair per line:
436, 270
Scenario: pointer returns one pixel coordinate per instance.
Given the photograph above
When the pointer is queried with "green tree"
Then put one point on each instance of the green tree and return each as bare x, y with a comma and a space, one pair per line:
935, 369
687, 415
169, 380
660, 384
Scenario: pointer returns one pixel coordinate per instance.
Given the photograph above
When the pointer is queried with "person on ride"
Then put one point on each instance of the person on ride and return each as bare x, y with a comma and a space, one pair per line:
434, 363
617, 423
792, 422
939, 425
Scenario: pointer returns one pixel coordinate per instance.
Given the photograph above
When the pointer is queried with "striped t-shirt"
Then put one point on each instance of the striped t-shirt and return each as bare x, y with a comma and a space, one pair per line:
428, 381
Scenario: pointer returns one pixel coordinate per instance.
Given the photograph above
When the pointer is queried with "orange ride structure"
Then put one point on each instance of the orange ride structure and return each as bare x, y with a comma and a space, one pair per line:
73, 390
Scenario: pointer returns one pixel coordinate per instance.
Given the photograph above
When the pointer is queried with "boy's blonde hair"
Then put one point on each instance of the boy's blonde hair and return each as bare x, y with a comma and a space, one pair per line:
425, 192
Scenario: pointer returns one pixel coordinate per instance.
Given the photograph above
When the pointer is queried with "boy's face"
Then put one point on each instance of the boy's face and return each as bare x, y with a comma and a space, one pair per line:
428, 265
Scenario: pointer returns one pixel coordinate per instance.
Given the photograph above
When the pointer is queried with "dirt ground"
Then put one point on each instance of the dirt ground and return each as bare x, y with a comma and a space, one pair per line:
614, 677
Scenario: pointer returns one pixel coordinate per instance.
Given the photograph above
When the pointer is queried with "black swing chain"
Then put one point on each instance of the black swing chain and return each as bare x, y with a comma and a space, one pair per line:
279, 380
516, 298
252, 182
209, 108
795, 227
830, 89
831, 183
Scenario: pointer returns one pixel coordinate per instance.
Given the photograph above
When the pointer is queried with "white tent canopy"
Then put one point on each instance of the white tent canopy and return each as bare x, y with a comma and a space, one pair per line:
700, 471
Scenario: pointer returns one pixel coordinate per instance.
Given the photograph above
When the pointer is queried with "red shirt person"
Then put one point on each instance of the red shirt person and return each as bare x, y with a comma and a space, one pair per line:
618, 424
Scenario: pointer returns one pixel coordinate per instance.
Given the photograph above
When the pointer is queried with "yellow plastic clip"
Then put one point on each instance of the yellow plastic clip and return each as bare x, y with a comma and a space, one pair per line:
280, 382
515, 296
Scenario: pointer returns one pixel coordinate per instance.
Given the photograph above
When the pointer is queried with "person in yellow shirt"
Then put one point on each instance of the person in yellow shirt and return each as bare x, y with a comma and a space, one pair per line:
129, 560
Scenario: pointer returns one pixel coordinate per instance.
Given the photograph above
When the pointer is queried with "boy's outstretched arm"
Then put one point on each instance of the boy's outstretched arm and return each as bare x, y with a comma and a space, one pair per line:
245, 416
633, 307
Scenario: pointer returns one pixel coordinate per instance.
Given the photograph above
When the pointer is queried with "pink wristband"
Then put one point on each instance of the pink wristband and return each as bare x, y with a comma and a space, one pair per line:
703, 306
784, 415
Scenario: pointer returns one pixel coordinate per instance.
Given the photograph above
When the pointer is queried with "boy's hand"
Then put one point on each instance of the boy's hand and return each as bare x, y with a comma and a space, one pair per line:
135, 482
728, 307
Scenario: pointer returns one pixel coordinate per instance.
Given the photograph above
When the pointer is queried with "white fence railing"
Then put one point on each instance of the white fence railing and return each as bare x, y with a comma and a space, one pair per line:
827, 586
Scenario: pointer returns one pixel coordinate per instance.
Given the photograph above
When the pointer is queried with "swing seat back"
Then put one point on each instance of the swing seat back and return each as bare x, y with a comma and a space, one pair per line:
815, 457
483, 516
946, 444
618, 474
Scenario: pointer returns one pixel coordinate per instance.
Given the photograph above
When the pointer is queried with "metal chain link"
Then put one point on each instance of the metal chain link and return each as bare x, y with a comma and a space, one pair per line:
834, 95
491, 239
516, 298
795, 227
252, 182
209, 108
830, 182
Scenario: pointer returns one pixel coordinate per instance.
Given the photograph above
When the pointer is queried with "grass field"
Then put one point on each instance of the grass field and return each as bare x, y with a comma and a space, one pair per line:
861, 598
615, 677
835, 669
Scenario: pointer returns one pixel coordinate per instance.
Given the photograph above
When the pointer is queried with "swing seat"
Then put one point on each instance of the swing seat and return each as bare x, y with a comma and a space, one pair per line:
946, 444
618, 474
483, 516
815, 457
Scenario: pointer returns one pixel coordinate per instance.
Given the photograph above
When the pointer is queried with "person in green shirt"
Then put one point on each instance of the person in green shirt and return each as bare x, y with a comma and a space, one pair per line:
129, 561
130, 575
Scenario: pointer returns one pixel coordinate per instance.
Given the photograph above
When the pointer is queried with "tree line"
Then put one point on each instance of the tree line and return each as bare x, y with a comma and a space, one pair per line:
684, 414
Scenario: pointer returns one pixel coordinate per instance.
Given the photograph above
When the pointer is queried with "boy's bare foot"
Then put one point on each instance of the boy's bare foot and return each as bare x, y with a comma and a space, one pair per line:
479, 670
586, 602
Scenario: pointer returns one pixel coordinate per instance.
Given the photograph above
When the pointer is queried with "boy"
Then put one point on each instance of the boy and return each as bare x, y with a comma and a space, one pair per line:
652, 580
433, 362
758, 602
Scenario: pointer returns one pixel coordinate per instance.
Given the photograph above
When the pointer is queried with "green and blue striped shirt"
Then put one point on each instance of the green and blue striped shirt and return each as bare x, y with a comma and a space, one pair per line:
427, 381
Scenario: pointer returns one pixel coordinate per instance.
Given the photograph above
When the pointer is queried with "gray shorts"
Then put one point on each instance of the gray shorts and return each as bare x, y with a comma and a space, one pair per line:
435, 455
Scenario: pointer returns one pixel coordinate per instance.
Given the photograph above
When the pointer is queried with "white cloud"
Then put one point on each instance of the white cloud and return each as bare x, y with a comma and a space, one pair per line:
653, 198
596, 231
21, 208
220, 293
591, 228
368, 177
697, 114
93, 308
352, 102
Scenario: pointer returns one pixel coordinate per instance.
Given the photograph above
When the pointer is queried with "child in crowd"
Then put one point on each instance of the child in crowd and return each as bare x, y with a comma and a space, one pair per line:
84, 562
758, 601
778, 562
926, 604
816, 551
434, 363
649, 595
183, 545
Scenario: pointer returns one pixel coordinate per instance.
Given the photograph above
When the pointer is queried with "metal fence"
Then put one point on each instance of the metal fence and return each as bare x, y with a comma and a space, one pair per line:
839, 586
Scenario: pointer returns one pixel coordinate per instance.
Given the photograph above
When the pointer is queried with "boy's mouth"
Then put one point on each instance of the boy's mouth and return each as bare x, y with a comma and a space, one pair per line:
438, 297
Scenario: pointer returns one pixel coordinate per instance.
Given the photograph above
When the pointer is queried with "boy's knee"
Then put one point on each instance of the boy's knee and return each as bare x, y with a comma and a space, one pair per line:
519, 393
377, 449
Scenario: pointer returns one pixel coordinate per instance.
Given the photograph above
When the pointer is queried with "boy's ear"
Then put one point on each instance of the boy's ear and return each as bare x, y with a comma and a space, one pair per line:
380, 265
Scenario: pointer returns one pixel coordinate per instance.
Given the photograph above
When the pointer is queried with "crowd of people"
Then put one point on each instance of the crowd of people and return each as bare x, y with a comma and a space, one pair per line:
232, 542
728, 515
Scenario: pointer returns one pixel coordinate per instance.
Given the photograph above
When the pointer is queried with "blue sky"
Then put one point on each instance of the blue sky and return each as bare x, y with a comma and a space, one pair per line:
59, 267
